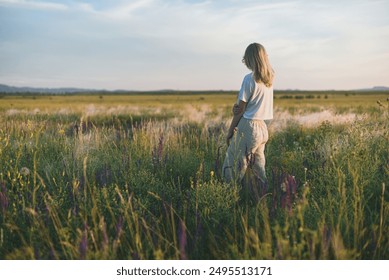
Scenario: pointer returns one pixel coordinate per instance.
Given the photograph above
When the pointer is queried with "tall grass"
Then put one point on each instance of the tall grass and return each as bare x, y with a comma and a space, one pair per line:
149, 187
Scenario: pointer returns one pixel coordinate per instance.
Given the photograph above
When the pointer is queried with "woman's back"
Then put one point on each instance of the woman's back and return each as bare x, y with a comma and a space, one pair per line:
259, 99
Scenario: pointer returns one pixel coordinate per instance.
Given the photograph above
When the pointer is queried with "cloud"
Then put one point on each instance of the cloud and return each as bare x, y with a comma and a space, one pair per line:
115, 12
39, 5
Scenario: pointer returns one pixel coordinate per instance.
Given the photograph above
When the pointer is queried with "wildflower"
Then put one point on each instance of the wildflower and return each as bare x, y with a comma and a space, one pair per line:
158, 254
83, 246
61, 132
212, 173
29, 124
158, 150
326, 237
36, 252
182, 239
119, 227
25, 171
283, 186
289, 189
3, 198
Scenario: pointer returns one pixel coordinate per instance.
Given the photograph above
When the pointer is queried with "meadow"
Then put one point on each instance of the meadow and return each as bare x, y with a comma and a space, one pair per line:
138, 176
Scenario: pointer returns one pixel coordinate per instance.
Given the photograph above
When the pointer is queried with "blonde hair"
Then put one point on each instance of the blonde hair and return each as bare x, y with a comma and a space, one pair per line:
256, 59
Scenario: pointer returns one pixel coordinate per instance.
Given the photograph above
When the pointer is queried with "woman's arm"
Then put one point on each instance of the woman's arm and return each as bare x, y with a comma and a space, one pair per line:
238, 113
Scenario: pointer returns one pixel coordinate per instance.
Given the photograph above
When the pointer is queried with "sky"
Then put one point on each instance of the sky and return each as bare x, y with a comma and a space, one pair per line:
192, 45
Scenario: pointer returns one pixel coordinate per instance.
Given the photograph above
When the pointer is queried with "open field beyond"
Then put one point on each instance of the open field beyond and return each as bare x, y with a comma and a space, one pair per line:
137, 176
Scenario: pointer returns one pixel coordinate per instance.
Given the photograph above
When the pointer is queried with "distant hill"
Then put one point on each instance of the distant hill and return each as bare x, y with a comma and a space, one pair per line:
379, 88
11, 89
5, 89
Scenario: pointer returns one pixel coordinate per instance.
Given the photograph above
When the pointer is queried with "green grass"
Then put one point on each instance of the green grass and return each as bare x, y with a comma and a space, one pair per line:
142, 181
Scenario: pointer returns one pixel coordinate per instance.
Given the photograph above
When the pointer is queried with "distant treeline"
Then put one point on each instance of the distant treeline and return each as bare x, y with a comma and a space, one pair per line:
157, 93
315, 93
282, 94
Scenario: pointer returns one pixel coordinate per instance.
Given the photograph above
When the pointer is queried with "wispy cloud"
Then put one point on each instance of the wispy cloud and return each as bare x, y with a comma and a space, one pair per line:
121, 11
40, 5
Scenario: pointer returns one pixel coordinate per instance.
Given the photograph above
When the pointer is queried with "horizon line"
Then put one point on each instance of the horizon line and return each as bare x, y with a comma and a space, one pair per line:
75, 89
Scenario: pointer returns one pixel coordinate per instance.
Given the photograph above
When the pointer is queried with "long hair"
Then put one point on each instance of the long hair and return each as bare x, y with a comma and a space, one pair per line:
256, 59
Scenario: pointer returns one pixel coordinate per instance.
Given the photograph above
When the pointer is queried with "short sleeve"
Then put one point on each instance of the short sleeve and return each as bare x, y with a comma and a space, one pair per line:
246, 89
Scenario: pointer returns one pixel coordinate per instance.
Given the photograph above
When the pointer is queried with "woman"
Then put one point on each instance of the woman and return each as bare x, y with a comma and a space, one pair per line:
247, 135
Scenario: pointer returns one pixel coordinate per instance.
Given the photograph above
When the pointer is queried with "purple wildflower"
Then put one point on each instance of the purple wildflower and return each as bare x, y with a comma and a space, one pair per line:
199, 229
135, 256
83, 243
3, 198
275, 192
217, 162
182, 240
119, 227
46, 217
327, 236
52, 254
288, 191
157, 152
36, 252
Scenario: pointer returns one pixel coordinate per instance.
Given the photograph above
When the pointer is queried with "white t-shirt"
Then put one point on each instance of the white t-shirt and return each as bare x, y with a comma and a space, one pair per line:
259, 99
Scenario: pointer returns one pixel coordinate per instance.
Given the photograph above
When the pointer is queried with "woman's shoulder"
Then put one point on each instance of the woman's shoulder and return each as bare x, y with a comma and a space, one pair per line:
248, 84
249, 79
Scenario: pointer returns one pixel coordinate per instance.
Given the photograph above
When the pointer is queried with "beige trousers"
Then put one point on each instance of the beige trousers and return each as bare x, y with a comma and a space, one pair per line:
246, 148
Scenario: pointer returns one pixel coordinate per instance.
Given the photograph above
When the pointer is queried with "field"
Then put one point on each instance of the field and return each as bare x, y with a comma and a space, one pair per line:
137, 176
